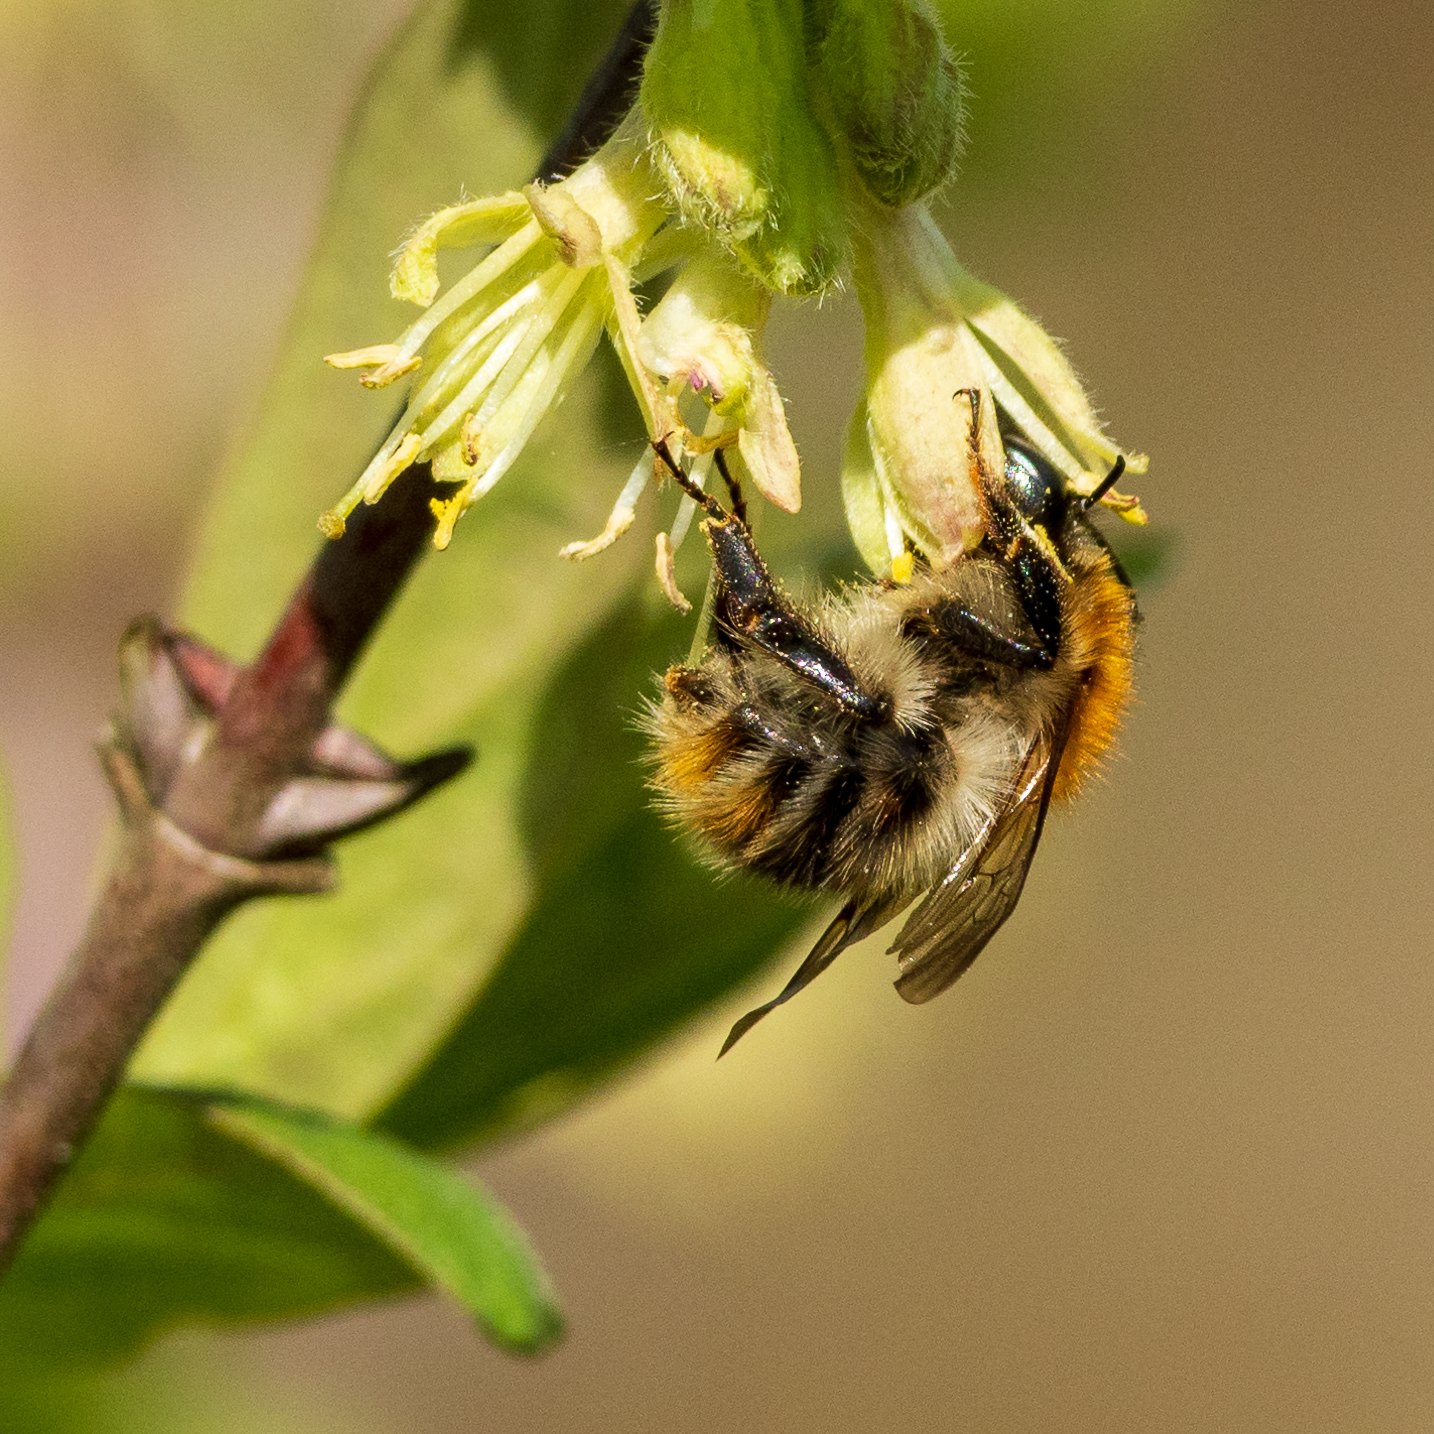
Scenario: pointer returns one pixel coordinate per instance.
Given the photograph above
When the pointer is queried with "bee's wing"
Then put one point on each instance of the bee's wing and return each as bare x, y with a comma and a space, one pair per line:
951, 927
852, 923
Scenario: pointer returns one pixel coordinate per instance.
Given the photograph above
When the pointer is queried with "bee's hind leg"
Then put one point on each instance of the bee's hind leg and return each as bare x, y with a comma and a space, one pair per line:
749, 606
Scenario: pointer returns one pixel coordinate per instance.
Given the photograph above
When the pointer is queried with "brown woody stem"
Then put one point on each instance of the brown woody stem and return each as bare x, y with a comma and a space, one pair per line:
203, 831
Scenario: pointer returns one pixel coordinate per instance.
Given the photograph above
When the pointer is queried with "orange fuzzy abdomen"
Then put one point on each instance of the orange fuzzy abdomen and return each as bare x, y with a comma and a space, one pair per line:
1099, 640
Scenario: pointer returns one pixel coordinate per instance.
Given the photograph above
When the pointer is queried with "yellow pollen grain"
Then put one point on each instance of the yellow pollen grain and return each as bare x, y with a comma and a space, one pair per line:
447, 513
382, 377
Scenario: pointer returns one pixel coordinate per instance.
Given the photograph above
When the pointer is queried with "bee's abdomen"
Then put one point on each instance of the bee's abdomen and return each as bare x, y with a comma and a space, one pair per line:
799, 846
808, 803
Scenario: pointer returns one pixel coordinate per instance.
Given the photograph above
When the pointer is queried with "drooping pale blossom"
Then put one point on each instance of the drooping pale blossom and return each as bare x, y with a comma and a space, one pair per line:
935, 334
772, 142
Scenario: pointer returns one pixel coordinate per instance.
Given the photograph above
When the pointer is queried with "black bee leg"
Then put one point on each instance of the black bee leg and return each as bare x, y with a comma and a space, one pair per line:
734, 488
982, 639
705, 501
1032, 564
1039, 582
973, 397
749, 607
1034, 567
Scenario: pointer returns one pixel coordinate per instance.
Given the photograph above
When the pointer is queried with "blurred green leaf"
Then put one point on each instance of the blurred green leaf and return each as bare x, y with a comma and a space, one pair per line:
1031, 67
331, 1003
180, 1387
544, 53
56, 1406
627, 934
1149, 556
445, 1226
184, 1208
165, 1219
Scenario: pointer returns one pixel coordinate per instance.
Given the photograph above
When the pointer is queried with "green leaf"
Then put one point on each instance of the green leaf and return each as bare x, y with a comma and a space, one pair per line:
331, 1003
180, 1389
166, 1219
627, 934
184, 1209
544, 54
445, 1227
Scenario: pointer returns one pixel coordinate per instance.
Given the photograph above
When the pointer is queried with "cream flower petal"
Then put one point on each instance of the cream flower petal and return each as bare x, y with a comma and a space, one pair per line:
704, 336
460, 226
501, 345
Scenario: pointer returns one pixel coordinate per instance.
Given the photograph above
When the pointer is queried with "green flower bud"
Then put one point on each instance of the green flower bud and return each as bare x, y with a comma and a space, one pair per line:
726, 95
896, 94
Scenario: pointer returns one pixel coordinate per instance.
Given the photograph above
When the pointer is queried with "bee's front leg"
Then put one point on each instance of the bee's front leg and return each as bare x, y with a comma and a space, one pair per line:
1029, 556
749, 607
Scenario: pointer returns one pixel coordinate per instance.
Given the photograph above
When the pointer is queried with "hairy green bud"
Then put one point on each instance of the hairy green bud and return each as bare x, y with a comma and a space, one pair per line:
727, 99
895, 92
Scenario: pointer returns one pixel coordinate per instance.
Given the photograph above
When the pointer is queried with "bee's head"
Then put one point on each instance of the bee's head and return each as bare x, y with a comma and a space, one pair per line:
1035, 489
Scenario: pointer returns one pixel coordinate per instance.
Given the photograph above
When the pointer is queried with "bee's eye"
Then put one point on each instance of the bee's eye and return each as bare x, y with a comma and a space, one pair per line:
1036, 489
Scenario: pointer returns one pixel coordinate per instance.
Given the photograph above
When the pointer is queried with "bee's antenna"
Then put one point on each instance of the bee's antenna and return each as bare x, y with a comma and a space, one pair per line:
703, 500
734, 487
1107, 483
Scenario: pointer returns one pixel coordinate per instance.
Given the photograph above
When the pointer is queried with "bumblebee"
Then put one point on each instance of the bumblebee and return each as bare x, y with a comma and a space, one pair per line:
902, 741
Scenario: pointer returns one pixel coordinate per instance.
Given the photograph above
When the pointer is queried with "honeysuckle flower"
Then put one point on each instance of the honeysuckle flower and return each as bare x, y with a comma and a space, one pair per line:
934, 333
703, 340
772, 137
494, 352
497, 349
705, 336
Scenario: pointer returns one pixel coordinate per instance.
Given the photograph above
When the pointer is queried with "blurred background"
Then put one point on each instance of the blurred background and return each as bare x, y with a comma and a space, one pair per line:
1165, 1158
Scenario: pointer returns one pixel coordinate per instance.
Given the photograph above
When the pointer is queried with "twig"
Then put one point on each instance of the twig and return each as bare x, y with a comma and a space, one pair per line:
606, 96
232, 783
